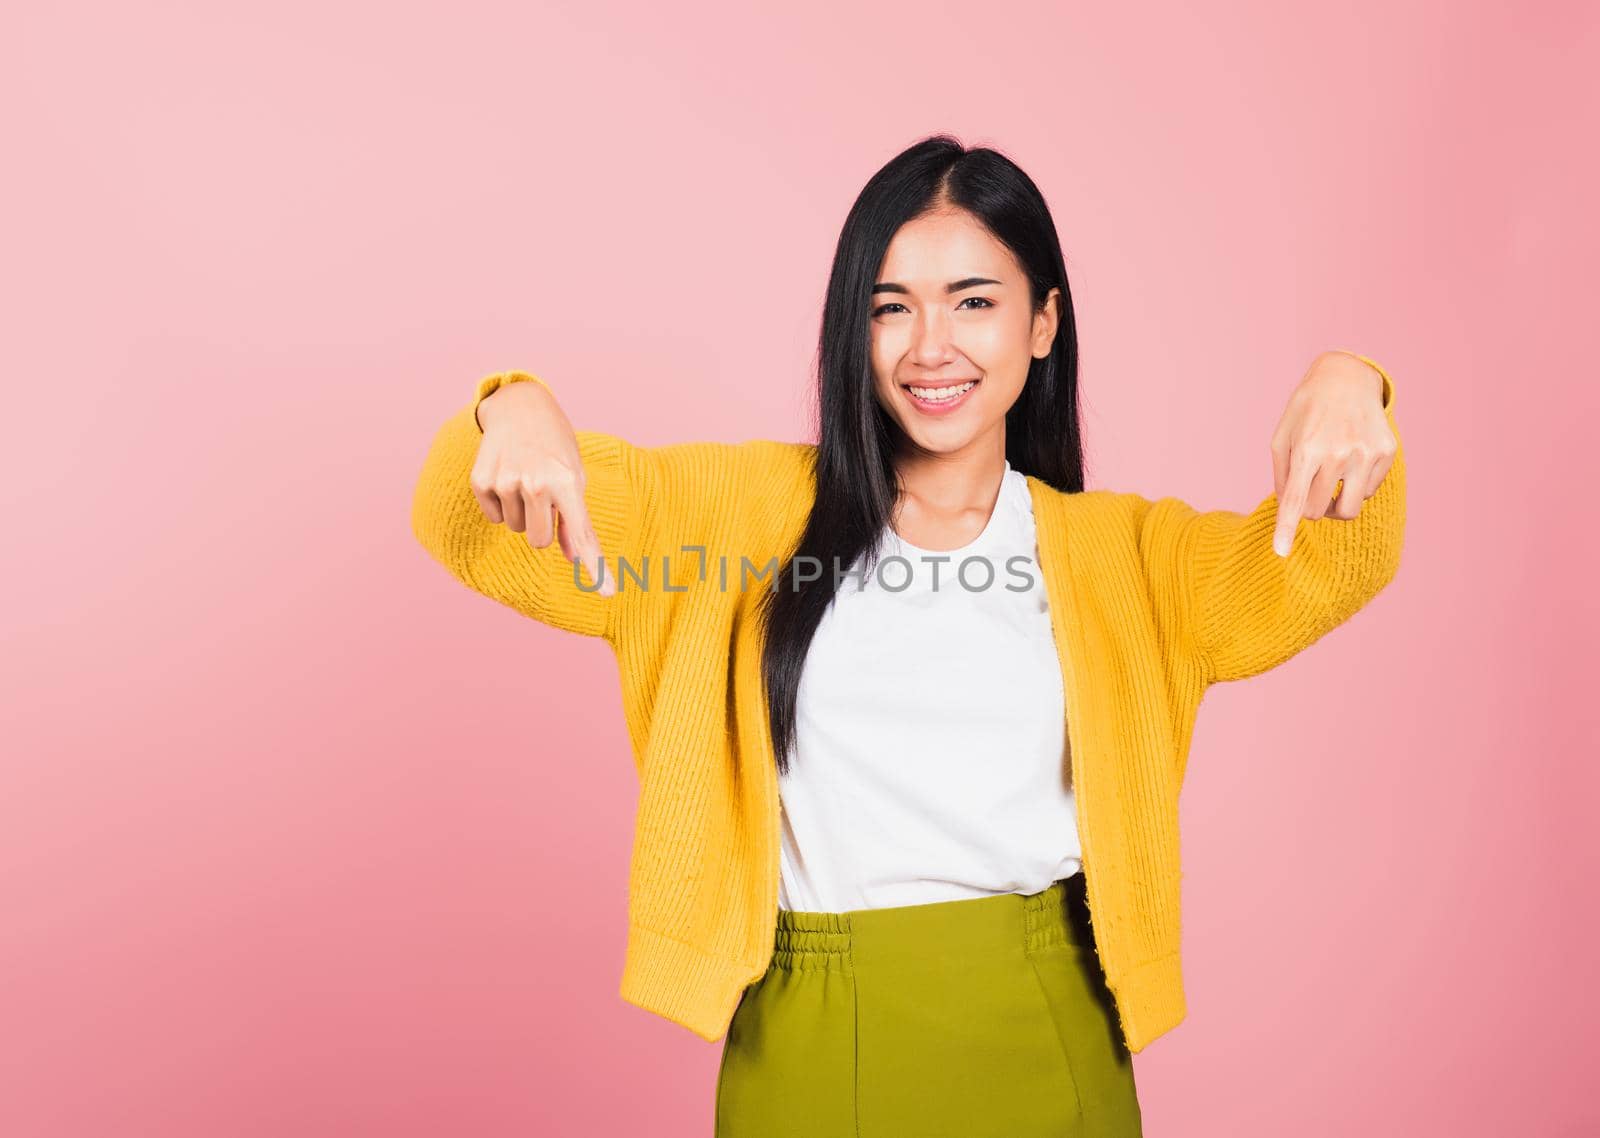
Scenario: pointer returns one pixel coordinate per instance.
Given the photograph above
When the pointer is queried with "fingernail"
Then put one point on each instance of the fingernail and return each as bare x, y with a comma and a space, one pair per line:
1280, 545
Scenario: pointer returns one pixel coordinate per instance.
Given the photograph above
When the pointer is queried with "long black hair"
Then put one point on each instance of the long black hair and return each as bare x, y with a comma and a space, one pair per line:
856, 483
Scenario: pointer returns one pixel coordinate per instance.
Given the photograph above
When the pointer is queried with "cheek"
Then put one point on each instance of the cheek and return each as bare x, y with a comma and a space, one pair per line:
1000, 342
885, 356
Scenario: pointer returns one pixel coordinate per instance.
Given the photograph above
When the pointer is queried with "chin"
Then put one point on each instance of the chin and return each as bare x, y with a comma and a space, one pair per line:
937, 442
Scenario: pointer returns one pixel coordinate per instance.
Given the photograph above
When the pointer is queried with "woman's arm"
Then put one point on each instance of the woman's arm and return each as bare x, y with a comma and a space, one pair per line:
624, 488
1224, 595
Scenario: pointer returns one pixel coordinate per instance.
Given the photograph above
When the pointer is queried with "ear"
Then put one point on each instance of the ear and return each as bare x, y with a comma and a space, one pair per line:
1045, 322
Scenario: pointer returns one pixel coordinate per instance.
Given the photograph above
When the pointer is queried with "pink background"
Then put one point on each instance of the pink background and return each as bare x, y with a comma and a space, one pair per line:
299, 836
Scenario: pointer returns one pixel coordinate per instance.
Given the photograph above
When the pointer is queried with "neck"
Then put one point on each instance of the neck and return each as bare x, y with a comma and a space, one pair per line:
946, 499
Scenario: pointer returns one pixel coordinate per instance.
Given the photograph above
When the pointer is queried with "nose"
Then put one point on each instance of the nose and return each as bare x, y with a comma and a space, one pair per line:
930, 337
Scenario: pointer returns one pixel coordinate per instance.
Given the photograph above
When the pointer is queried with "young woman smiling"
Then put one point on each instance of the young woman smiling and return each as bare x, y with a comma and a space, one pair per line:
907, 835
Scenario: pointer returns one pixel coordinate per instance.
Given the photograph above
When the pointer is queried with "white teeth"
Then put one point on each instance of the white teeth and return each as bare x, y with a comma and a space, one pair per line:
939, 394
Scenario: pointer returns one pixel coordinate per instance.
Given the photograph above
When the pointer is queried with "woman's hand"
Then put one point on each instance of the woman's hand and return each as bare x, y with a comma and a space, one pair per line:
527, 465
1334, 430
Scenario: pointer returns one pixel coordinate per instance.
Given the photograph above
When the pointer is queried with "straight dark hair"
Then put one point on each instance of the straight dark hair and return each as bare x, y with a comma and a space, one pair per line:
856, 482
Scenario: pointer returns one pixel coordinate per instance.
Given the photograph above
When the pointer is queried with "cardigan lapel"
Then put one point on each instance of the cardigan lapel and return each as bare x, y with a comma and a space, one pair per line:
1053, 515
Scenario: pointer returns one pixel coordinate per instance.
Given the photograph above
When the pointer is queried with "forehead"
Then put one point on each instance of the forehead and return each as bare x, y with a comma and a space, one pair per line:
929, 251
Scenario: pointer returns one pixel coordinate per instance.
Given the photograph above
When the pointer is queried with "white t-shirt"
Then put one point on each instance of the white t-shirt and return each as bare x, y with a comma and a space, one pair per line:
931, 760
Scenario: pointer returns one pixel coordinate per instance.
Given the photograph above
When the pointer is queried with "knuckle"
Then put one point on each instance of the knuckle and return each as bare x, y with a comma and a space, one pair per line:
507, 483
549, 475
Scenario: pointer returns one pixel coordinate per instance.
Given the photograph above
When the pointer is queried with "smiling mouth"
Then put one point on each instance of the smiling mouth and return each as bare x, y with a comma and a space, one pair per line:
934, 396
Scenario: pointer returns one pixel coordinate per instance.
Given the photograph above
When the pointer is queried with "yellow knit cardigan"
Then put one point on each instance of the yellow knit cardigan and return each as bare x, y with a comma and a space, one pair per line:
1151, 602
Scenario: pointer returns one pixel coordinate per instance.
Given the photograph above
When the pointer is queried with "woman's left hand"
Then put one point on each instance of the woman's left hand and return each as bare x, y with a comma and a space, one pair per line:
1334, 430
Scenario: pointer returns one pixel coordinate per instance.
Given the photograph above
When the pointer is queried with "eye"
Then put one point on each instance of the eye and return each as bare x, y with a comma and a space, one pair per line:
883, 308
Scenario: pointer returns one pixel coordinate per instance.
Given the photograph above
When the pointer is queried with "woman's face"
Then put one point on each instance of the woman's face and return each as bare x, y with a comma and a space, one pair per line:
951, 307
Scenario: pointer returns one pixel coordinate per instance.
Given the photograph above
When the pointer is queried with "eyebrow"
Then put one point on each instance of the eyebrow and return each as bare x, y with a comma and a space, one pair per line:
953, 286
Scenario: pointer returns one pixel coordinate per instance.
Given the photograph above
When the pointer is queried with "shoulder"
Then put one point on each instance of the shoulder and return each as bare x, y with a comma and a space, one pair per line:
1119, 509
715, 468
780, 488
780, 468
1103, 533
789, 457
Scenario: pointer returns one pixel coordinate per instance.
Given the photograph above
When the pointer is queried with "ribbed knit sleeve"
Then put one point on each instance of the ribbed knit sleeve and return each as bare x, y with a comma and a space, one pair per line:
630, 492
1223, 595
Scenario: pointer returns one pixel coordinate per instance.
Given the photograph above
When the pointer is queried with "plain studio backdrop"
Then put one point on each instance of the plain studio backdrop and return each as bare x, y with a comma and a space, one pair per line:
298, 835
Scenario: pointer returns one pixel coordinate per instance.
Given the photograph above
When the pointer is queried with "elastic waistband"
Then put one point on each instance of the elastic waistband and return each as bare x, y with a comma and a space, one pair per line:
1004, 922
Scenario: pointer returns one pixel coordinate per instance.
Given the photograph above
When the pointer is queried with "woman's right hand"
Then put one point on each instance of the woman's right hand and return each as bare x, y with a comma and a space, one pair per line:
528, 465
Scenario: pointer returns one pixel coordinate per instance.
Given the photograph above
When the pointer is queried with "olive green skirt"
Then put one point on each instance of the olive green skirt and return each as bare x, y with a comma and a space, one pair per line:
978, 1017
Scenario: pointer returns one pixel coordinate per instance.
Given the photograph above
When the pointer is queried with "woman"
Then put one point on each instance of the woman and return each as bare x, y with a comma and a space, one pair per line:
909, 707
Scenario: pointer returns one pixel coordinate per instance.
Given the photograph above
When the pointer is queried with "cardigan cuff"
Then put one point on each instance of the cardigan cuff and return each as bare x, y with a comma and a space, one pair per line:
489, 384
